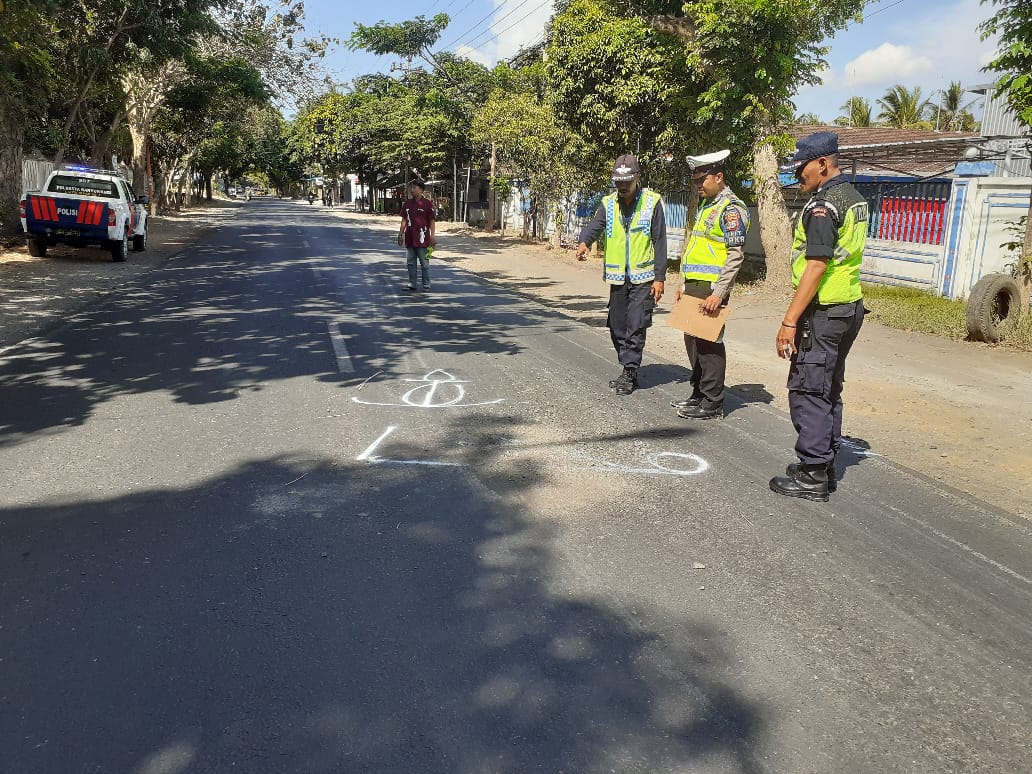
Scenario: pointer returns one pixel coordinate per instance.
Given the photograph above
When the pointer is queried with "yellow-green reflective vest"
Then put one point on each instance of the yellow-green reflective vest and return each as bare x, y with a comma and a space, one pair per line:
629, 251
841, 281
706, 252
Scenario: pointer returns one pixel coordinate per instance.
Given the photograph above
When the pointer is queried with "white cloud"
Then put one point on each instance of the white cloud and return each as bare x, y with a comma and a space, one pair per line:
886, 64
475, 55
509, 30
828, 76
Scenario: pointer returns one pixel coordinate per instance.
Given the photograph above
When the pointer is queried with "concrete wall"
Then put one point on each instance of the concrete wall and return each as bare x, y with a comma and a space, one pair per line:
981, 209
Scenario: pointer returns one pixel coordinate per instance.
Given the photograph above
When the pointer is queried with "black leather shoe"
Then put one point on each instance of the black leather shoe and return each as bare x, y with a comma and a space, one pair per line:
627, 382
694, 400
795, 467
699, 411
808, 483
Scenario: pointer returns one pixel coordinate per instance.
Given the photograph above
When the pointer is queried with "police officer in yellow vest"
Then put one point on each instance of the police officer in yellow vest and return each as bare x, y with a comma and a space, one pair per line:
824, 316
712, 257
634, 228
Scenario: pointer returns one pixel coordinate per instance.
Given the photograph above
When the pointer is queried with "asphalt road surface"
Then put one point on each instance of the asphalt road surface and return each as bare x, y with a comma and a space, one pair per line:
263, 510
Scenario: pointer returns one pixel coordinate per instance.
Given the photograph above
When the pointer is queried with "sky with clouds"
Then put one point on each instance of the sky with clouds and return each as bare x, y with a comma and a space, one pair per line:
926, 43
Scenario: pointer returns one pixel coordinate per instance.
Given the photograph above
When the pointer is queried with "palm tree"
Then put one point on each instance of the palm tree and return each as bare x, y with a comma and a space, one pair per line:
857, 112
807, 119
904, 108
952, 114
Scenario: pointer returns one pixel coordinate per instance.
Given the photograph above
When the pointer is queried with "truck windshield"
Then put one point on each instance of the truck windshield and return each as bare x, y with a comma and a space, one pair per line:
82, 186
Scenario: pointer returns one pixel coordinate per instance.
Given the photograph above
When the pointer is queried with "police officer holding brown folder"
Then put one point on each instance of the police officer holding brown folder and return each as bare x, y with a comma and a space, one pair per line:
712, 257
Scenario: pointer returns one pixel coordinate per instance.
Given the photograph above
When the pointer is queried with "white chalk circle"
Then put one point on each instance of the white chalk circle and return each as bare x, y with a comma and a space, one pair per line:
678, 464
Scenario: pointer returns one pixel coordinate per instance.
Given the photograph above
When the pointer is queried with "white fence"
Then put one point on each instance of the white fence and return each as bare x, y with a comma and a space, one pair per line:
34, 174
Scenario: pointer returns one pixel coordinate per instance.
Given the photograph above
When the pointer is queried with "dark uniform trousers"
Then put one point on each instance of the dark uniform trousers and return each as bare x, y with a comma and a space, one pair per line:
630, 315
708, 359
816, 377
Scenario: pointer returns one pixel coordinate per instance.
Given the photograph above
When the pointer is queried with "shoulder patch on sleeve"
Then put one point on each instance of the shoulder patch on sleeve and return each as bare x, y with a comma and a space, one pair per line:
734, 227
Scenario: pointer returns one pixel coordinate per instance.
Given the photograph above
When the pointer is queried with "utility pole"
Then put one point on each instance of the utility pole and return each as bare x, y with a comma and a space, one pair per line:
491, 190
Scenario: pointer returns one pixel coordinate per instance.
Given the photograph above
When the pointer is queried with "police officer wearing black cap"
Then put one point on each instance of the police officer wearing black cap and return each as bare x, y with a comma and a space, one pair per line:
712, 257
634, 229
825, 314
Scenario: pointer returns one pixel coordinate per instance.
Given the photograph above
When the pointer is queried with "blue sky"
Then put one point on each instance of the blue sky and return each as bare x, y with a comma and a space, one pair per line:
925, 43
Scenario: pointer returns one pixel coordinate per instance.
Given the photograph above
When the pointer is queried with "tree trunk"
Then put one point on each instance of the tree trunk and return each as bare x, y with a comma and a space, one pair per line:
10, 172
1025, 265
775, 225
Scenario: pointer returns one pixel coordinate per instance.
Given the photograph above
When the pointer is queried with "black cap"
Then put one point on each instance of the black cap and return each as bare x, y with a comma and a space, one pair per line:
626, 167
811, 147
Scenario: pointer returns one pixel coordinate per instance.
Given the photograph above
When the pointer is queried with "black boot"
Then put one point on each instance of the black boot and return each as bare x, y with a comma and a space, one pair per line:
623, 377
795, 467
809, 482
627, 382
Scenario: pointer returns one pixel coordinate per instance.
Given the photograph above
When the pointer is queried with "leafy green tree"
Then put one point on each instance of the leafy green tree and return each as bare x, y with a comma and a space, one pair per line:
215, 91
620, 84
856, 112
1012, 22
751, 56
904, 108
26, 72
537, 151
423, 118
953, 114
807, 119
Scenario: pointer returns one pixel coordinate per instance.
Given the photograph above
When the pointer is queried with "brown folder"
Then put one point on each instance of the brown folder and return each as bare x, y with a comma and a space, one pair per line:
688, 316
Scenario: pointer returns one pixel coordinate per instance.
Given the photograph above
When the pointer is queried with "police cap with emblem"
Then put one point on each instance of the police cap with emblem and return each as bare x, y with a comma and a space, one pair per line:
811, 147
708, 163
626, 168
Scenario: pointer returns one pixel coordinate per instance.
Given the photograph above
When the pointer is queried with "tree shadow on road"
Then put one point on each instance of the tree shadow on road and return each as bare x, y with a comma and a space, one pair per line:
220, 322
312, 616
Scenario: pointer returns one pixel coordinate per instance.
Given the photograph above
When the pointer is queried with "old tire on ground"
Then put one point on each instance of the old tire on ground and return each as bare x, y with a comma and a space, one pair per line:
140, 242
995, 300
37, 248
119, 249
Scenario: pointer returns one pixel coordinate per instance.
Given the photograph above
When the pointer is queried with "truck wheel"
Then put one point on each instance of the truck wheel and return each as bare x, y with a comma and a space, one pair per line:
37, 248
994, 302
140, 242
120, 249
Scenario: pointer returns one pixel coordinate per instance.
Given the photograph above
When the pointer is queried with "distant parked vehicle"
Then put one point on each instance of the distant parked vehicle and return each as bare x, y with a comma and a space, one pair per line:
83, 206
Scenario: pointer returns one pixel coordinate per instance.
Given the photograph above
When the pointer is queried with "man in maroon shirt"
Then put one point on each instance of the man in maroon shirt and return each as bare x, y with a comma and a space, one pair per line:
417, 228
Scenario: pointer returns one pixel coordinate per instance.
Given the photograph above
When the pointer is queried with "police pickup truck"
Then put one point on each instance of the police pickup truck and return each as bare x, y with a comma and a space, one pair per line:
82, 206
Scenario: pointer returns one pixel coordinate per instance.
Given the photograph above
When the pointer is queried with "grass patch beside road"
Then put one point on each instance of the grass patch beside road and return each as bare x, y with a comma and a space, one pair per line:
915, 310
1019, 335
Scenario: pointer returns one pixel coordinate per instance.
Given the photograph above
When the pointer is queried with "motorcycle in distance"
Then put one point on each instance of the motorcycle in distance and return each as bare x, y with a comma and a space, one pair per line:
311, 197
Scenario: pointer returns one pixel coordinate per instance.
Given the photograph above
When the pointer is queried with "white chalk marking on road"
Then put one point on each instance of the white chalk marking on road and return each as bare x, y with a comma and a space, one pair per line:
369, 379
963, 546
340, 349
306, 245
665, 464
431, 383
699, 465
368, 456
859, 449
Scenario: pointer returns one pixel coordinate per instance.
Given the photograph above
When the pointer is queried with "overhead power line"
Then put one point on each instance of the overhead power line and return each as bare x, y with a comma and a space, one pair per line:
883, 8
487, 16
497, 21
523, 18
